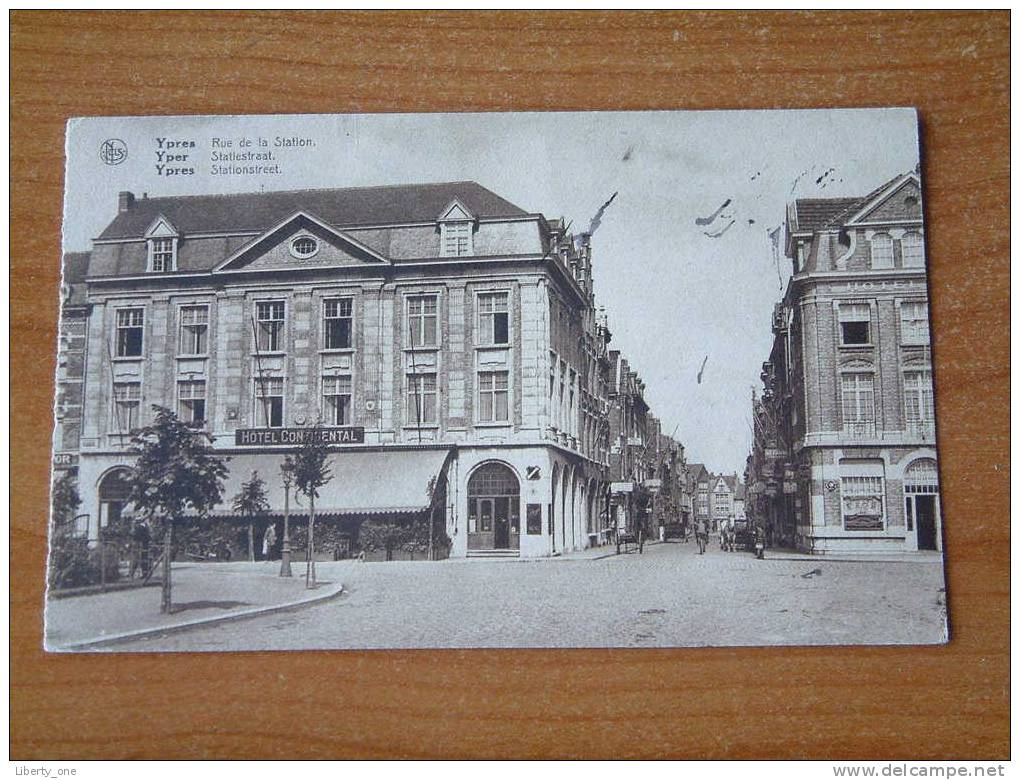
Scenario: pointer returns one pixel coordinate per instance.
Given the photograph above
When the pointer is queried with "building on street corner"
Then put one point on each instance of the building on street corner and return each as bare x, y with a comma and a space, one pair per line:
446, 340
844, 449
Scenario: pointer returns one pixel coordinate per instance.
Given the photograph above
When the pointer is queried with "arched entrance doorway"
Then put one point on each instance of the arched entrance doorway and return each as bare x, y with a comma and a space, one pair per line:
494, 508
114, 491
921, 493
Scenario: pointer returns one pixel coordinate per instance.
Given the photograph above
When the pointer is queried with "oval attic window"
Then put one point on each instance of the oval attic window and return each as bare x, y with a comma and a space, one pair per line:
304, 246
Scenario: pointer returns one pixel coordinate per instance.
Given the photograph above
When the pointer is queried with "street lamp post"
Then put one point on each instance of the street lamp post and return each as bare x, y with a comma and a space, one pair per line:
287, 470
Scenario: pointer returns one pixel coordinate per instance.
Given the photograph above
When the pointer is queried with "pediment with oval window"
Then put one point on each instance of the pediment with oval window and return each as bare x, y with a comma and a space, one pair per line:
302, 241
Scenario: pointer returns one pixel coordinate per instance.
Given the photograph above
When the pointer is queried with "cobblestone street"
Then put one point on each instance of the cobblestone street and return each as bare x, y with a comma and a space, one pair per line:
668, 596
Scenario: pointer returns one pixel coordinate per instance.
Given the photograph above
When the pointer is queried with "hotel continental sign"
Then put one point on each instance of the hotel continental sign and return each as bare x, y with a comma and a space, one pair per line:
445, 340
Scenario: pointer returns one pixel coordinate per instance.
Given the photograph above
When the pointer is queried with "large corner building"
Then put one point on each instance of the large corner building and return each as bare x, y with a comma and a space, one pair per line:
844, 457
444, 338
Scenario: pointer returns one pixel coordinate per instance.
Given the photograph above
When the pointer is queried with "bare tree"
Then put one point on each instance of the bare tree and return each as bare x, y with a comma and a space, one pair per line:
311, 472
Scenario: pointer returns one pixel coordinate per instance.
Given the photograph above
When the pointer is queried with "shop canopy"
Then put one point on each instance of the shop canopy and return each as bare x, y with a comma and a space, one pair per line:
390, 482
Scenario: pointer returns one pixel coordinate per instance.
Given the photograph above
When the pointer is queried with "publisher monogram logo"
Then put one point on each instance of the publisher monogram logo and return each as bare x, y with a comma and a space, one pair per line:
113, 151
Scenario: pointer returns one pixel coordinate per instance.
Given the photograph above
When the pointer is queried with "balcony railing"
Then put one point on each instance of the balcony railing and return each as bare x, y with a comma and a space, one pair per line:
921, 429
859, 429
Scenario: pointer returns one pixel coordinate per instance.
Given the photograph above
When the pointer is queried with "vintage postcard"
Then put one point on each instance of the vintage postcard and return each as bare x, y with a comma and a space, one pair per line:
636, 379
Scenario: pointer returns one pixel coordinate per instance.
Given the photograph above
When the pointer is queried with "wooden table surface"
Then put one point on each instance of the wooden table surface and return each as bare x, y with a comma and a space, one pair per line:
870, 702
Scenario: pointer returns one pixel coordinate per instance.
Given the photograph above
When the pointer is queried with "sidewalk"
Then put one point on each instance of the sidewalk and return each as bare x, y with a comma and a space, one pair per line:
588, 554
202, 593
605, 551
922, 556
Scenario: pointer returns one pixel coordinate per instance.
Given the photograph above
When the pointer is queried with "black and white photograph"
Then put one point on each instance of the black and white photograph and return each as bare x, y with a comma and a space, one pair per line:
507, 380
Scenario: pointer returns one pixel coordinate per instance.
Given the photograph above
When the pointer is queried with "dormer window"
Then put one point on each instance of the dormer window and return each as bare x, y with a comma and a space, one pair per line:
456, 239
456, 231
912, 246
162, 254
881, 251
162, 239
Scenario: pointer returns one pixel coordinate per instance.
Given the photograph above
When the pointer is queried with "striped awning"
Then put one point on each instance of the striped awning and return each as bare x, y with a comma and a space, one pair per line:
364, 482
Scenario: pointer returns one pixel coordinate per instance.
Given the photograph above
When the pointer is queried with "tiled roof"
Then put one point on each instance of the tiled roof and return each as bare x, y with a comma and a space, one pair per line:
76, 266
839, 218
258, 211
815, 213
818, 213
696, 469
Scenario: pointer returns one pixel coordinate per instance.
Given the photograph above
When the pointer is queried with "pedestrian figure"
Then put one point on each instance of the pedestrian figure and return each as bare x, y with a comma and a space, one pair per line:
140, 549
759, 541
269, 541
702, 535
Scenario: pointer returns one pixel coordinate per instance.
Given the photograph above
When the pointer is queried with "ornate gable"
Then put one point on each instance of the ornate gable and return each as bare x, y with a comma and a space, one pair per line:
900, 202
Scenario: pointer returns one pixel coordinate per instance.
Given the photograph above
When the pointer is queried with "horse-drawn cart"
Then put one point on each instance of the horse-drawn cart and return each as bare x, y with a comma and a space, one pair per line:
629, 541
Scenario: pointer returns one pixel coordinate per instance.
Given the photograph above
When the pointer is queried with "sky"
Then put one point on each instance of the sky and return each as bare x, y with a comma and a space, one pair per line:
675, 291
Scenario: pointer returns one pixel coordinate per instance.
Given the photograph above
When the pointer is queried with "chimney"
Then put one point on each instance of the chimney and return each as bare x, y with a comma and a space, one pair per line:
125, 200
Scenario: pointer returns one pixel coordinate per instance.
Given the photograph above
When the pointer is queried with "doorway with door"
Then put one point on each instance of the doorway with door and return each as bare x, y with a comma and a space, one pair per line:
114, 492
921, 494
494, 501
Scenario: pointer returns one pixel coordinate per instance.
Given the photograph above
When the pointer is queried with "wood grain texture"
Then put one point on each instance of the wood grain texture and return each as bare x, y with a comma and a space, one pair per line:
783, 702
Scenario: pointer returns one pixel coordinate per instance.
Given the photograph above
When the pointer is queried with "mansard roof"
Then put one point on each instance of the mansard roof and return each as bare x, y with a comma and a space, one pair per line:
75, 269
258, 211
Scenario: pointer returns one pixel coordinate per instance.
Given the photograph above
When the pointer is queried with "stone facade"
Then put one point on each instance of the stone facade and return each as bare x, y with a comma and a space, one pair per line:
273, 312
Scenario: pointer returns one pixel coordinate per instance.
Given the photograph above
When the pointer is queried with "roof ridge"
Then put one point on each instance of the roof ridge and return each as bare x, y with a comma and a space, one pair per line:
861, 202
316, 189
827, 200
392, 203
853, 203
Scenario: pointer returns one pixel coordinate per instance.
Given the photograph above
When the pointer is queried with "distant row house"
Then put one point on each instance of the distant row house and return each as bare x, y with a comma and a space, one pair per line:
700, 485
723, 498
